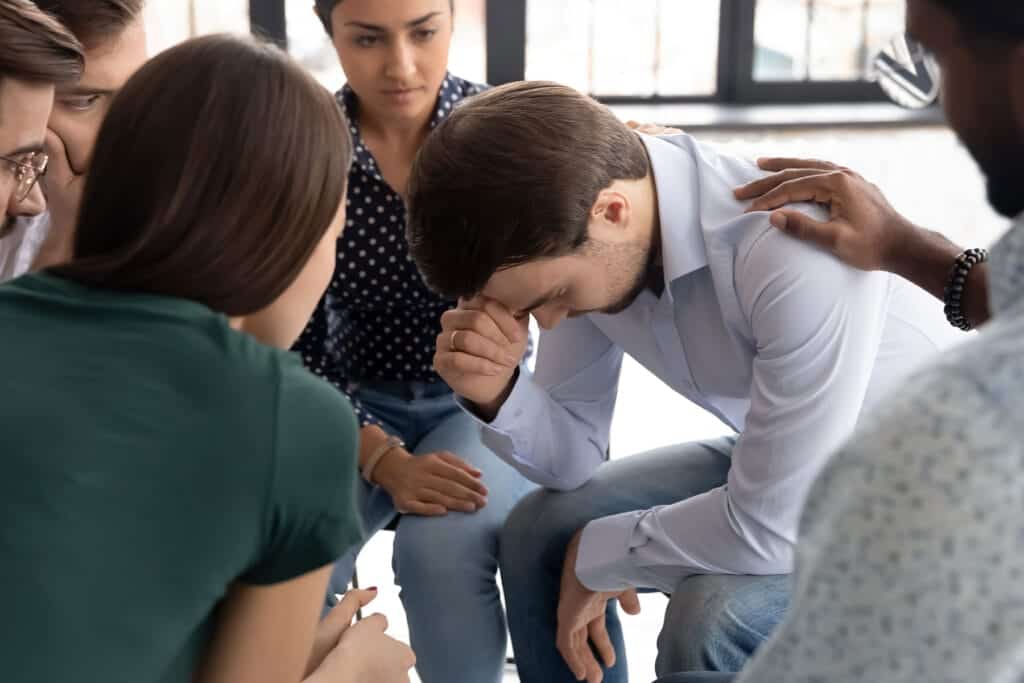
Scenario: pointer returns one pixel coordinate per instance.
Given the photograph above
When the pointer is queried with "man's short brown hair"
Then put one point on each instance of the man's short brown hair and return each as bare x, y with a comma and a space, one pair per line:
93, 21
511, 177
35, 47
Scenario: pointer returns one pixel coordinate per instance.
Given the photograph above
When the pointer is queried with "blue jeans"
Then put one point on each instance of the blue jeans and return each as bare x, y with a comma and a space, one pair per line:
713, 623
699, 678
446, 565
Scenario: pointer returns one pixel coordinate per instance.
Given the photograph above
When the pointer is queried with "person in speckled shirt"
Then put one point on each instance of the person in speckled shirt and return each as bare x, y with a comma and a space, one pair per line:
910, 560
372, 336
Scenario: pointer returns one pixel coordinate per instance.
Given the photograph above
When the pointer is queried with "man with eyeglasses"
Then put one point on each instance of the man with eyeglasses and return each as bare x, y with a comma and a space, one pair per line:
37, 54
910, 555
113, 35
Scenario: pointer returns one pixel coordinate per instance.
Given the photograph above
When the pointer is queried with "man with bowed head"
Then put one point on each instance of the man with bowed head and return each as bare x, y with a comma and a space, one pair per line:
533, 199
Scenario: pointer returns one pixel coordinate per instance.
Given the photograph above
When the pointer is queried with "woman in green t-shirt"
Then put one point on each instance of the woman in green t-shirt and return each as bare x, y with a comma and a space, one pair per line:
174, 485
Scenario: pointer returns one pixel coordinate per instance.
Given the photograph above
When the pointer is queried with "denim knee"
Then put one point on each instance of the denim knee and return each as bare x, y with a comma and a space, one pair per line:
716, 623
533, 530
437, 548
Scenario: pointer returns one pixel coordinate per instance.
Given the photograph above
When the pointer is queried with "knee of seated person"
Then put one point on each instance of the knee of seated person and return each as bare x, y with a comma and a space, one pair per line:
715, 623
535, 520
515, 534
446, 543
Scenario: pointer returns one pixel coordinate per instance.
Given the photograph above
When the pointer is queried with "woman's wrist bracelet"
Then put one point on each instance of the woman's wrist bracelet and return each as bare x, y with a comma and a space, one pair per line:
392, 442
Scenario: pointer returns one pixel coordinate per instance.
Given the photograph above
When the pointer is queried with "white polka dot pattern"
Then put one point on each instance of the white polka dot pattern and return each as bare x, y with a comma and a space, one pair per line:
377, 320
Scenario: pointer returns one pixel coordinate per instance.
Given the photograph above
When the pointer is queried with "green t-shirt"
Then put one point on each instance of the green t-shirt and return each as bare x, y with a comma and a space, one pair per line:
151, 456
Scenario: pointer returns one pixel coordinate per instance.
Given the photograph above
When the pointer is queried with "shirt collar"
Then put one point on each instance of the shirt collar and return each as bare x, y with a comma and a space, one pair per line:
1006, 270
675, 177
451, 91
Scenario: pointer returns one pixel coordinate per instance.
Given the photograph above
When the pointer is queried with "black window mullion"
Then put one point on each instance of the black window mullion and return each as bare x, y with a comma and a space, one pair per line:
506, 41
267, 20
735, 48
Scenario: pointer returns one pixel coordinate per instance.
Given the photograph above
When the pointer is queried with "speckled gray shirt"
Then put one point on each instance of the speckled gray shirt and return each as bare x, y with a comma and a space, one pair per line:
910, 561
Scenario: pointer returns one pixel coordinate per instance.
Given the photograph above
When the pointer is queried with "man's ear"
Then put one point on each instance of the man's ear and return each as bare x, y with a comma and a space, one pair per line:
610, 216
1016, 84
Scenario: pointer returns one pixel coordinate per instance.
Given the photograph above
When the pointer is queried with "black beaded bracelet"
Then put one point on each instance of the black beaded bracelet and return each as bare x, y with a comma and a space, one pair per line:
956, 285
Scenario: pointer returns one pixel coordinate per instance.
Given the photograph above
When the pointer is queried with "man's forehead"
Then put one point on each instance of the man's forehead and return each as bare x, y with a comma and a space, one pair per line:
519, 286
24, 110
113, 60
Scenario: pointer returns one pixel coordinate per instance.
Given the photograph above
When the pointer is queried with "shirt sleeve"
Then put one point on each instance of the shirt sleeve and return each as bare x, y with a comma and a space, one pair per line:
314, 348
817, 326
312, 513
554, 426
909, 546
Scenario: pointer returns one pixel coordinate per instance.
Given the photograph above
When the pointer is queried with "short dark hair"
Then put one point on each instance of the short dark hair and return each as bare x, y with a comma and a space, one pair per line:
324, 9
988, 18
188, 197
36, 48
93, 21
511, 177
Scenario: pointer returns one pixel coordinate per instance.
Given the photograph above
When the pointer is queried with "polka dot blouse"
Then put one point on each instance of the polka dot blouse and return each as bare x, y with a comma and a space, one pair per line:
378, 320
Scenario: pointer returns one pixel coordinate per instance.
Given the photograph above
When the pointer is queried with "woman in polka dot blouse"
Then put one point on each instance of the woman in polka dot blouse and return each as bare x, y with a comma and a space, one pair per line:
373, 337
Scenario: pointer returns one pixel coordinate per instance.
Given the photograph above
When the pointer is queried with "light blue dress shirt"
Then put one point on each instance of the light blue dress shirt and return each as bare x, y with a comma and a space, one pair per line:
777, 338
19, 249
911, 556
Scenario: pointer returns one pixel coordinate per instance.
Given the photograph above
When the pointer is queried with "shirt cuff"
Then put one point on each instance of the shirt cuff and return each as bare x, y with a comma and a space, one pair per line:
508, 433
604, 562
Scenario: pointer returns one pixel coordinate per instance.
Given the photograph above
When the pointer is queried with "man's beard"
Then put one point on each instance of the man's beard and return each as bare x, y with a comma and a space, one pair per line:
640, 264
1006, 182
1002, 161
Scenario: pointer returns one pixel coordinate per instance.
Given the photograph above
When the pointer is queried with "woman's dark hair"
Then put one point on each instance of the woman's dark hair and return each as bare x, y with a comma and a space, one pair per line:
94, 21
35, 48
324, 9
215, 175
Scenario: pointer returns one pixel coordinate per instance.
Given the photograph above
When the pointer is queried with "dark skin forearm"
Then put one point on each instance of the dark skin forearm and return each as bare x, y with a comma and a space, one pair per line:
926, 261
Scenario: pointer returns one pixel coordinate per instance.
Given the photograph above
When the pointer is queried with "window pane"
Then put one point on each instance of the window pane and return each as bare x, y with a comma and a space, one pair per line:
309, 43
169, 22
689, 48
822, 40
468, 58
640, 48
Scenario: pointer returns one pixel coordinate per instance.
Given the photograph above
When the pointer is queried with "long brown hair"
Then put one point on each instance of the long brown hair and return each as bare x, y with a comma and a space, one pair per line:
36, 48
216, 173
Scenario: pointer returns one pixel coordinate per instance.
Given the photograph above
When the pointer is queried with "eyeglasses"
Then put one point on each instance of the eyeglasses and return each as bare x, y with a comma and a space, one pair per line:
27, 173
908, 73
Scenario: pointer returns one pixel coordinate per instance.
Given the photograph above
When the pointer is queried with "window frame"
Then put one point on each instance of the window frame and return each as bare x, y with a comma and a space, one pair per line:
746, 90
506, 22
267, 20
